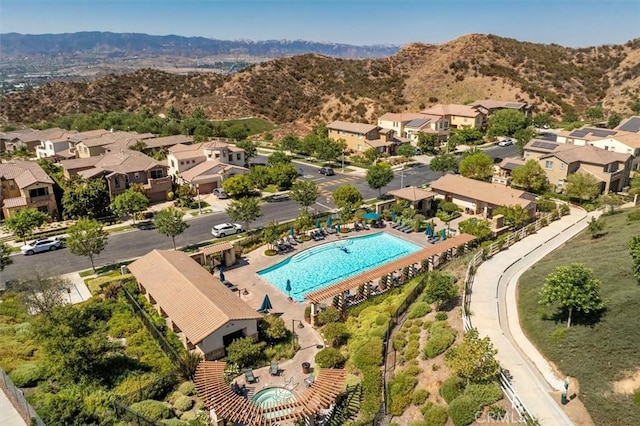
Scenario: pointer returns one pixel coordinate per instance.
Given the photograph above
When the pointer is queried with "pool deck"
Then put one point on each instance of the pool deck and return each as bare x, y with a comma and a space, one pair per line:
245, 277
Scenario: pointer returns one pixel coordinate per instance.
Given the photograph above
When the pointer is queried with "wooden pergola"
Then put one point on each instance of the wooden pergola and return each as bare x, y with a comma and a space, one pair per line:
429, 255
227, 404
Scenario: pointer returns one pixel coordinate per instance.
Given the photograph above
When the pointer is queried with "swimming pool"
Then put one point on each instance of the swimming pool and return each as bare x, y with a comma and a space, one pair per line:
271, 397
329, 263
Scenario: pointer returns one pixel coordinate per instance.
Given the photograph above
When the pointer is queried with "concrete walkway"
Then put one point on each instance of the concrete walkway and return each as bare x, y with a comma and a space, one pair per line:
495, 314
9, 416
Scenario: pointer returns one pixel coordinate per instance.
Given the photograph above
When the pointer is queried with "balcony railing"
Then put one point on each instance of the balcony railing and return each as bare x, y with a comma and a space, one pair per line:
159, 184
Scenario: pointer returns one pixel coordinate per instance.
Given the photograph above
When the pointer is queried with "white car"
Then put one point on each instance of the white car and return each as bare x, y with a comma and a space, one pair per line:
225, 229
40, 245
505, 142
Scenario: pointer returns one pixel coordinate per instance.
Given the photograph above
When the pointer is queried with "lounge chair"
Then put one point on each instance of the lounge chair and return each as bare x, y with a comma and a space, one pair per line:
274, 370
396, 225
357, 227
249, 377
298, 239
408, 230
402, 228
292, 241
330, 230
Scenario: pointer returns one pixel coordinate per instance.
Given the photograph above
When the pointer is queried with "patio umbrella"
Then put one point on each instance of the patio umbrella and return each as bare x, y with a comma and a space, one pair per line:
371, 216
266, 304
428, 231
318, 223
329, 221
221, 274
288, 288
393, 216
291, 231
443, 234
338, 227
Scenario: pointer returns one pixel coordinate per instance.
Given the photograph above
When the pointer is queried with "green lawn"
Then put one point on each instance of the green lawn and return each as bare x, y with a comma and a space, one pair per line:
601, 353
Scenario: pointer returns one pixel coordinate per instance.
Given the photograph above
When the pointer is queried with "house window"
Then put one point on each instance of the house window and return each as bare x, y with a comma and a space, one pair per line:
51, 146
12, 184
173, 164
216, 155
230, 157
561, 166
182, 163
116, 182
548, 164
611, 168
38, 192
156, 174
238, 156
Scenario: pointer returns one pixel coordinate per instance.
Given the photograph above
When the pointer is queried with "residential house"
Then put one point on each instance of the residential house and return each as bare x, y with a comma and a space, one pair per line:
428, 124
360, 137
165, 142
13, 137
121, 170
56, 146
419, 199
23, 184
478, 197
458, 116
102, 142
205, 314
31, 140
611, 169
490, 106
502, 171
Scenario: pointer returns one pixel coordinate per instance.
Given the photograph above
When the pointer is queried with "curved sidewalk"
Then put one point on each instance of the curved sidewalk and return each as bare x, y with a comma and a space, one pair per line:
495, 314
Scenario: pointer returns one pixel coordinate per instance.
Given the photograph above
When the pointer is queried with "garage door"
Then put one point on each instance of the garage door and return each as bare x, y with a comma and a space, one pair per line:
207, 188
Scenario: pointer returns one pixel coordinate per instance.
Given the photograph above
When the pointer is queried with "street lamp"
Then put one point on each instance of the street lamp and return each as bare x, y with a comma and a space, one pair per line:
402, 176
198, 192
343, 161
293, 332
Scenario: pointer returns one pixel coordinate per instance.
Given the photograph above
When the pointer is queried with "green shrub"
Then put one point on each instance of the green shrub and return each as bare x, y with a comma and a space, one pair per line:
441, 316
368, 354
636, 397
331, 314
427, 325
436, 415
382, 319
336, 333
463, 411
496, 412
419, 396
484, 394
371, 392
418, 310
414, 330
174, 422
441, 336
123, 324
411, 351
451, 389
633, 216
244, 352
400, 392
155, 410
399, 342
133, 383
187, 388
26, 375
184, 403
329, 358
174, 397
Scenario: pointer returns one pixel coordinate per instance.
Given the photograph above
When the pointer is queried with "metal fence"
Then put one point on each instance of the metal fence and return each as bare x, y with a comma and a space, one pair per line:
16, 396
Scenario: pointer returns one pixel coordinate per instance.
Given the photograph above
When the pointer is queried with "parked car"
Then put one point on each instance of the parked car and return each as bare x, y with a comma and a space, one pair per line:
225, 229
300, 171
418, 151
278, 197
327, 171
40, 245
219, 192
505, 142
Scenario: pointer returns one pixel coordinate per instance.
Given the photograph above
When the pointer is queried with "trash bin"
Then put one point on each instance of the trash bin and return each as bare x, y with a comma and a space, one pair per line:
306, 368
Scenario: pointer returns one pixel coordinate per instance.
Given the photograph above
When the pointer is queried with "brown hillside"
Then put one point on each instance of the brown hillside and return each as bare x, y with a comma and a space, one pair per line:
309, 88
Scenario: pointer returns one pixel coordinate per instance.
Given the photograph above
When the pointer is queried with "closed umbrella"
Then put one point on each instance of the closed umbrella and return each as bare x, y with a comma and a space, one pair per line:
393, 216
291, 231
221, 274
288, 288
329, 221
318, 223
443, 234
429, 231
338, 227
266, 304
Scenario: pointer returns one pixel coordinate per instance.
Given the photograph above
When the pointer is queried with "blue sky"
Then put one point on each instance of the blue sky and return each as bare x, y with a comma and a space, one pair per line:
573, 23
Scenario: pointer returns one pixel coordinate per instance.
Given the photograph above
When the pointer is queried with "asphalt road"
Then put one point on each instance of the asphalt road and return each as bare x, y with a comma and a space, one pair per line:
135, 243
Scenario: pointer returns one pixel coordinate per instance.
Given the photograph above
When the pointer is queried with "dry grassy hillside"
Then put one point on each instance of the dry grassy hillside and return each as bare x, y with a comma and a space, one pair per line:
309, 88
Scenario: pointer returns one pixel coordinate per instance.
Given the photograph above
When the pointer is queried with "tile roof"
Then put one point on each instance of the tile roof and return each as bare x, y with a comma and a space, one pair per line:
124, 162
400, 116
183, 152
492, 104
412, 193
209, 169
11, 203
512, 163
25, 173
193, 298
452, 109
496, 194
362, 128
167, 141
630, 139
588, 154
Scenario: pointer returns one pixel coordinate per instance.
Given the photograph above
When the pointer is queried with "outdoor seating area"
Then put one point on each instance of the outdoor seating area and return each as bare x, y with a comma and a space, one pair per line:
399, 226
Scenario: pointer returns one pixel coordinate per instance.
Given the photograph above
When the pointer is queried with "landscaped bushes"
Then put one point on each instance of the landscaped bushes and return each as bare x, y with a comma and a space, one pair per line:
27, 375
483, 394
418, 310
463, 410
451, 388
331, 314
369, 354
434, 415
336, 333
154, 410
371, 397
400, 392
329, 358
183, 403
419, 396
441, 336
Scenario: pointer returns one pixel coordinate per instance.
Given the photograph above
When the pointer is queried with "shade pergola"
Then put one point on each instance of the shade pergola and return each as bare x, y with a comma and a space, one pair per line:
216, 248
372, 274
218, 396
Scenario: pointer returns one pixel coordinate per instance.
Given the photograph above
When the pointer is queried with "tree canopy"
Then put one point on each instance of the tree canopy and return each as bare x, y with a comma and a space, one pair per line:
239, 185
347, 195
441, 287
87, 238
444, 163
582, 186
5, 256
304, 192
244, 210
23, 222
428, 142
572, 288
514, 215
170, 222
473, 359
40, 293
85, 198
506, 122
530, 176
378, 176
477, 166
129, 203
330, 150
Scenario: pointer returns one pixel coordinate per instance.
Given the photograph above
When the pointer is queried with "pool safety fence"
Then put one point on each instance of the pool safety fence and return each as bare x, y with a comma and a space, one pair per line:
17, 399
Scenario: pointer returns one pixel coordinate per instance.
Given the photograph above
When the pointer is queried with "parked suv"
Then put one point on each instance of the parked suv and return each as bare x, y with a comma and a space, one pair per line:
225, 229
327, 171
40, 245
219, 192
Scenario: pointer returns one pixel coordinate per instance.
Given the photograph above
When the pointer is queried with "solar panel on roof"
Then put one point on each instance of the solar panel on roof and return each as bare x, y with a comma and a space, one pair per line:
579, 133
536, 144
632, 125
549, 145
511, 166
602, 133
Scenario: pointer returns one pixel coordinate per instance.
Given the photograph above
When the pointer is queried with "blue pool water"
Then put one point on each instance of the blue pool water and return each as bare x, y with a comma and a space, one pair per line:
270, 397
329, 263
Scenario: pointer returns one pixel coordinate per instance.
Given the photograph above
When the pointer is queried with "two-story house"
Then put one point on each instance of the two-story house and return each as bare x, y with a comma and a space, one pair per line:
458, 116
57, 146
409, 124
100, 142
23, 184
122, 169
620, 141
360, 137
34, 139
490, 106
13, 137
558, 161
205, 166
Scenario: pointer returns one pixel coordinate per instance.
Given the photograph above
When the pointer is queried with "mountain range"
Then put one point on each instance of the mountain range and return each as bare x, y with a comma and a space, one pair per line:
303, 89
